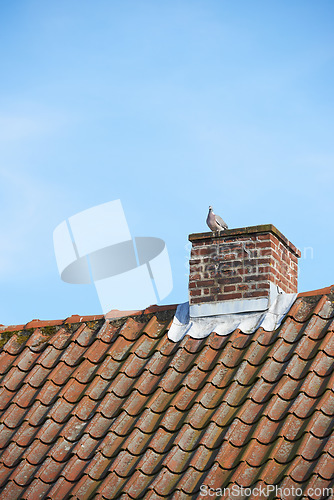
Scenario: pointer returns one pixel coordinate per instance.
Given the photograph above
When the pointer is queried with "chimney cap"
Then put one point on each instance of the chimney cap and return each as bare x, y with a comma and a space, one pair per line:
240, 231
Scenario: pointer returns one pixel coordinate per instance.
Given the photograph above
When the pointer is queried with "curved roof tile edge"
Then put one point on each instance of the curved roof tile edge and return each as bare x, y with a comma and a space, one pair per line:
116, 315
76, 318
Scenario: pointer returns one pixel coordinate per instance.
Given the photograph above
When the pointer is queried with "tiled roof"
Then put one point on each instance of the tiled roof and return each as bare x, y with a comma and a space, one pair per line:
113, 409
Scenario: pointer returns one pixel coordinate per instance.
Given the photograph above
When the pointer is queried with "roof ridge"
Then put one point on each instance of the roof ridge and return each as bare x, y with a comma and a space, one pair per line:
320, 291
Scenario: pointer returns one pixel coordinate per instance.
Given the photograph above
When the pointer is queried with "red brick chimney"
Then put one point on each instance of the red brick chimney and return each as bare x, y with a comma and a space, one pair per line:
247, 264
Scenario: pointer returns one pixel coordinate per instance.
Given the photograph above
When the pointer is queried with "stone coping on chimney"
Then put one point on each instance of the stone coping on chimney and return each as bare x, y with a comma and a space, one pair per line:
264, 228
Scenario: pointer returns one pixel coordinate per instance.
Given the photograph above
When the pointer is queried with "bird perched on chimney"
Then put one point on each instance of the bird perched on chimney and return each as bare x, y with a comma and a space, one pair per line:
215, 222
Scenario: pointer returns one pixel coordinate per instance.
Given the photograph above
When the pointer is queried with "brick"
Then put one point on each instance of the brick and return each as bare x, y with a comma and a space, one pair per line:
243, 270
254, 294
242, 255
249, 262
205, 283
265, 236
229, 246
264, 269
265, 244
227, 267
209, 267
263, 286
233, 239
285, 257
263, 260
227, 274
274, 254
204, 251
242, 286
250, 245
265, 252
274, 239
196, 269
227, 281
230, 256
195, 293
198, 300
194, 277
194, 261
230, 296
253, 277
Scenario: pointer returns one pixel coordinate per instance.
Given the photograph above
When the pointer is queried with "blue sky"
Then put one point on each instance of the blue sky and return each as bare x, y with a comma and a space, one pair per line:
168, 106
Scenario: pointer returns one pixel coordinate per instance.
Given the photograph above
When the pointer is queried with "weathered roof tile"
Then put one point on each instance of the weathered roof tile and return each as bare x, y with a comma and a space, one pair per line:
94, 408
37, 489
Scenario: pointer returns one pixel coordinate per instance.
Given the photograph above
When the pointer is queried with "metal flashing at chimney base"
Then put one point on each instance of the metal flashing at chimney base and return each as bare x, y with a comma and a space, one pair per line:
224, 324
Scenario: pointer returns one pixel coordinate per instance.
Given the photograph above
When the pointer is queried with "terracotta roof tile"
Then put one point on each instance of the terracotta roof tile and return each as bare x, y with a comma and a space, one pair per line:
12, 490
48, 358
37, 414
291, 331
49, 471
135, 403
95, 408
147, 383
85, 408
108, 368
74, 468
162, 440
245, 475
12, 454
111, 444
165, 482
85, 447
25, 396
5, 436
73, 354
37, 489
49, 431
148, 421
172, 419
24, 434
217, 476
97, 352
36, 452
202, 459
24, 473
98, 426
122, 424
16, 343
13, 379
98, 467
72, 391
326, 403
190, 482
61, 373
138, 483
112, 486
13, 416
84, 488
